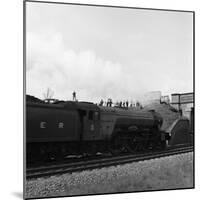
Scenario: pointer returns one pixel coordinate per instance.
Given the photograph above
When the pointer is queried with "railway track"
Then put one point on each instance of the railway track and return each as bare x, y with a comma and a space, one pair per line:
101, 162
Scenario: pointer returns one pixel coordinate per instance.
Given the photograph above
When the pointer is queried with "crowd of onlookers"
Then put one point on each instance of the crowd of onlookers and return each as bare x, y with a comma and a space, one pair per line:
121, 104
110, 103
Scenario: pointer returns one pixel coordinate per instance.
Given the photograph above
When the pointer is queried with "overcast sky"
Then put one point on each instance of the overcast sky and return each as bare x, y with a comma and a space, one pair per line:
103, 52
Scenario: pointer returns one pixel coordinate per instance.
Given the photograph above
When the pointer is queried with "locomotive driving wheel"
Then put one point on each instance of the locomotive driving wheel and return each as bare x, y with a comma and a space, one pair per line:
134, 145
116, 145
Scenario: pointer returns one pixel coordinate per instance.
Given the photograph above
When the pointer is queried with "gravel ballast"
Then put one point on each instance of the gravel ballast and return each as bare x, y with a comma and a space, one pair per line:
157, 174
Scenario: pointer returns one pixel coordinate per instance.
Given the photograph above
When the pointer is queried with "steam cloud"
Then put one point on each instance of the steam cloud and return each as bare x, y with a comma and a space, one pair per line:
51, 64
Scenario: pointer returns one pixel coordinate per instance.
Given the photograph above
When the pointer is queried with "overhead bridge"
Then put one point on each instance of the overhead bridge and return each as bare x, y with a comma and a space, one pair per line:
180, 132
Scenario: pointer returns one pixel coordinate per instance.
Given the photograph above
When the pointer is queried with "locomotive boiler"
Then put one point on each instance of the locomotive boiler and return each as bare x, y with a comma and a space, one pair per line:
56, 130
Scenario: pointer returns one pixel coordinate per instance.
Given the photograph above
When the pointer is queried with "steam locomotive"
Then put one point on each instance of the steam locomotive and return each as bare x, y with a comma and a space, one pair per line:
55, 130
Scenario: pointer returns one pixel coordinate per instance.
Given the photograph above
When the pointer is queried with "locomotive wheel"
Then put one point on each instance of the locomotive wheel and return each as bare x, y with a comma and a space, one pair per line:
133, 146
116, 146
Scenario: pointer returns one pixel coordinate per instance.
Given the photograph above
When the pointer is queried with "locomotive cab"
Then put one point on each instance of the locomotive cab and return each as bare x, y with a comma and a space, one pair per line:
89, 117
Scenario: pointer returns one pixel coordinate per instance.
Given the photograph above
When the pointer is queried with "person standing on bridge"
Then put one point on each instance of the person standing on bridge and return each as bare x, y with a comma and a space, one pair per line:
74, 96
101, 102
127, 103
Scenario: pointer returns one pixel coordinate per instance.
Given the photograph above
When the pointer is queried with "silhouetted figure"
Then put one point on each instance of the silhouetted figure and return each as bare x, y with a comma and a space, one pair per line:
120, 104
101, 102
127, 103
74, 96
124, 104
137, 104
109, 102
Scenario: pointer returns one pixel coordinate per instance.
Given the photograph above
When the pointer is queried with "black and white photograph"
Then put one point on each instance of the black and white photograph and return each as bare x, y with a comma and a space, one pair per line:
109, 99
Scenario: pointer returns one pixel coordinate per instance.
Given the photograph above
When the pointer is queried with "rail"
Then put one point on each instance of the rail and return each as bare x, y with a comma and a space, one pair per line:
102, 162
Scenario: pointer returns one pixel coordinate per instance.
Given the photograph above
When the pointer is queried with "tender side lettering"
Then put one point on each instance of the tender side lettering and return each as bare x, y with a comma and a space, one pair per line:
60, 125
42, 124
